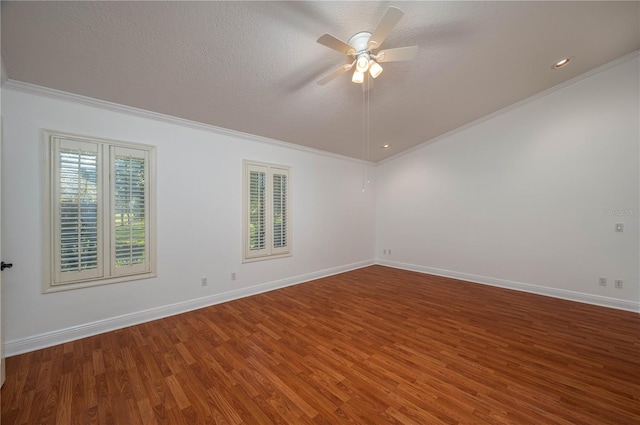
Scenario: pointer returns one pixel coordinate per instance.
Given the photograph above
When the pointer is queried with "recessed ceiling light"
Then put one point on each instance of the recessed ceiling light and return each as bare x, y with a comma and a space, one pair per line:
387, 146
562, 63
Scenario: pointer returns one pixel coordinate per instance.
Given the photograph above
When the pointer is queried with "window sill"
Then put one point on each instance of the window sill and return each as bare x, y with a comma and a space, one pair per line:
49, 288
265, 257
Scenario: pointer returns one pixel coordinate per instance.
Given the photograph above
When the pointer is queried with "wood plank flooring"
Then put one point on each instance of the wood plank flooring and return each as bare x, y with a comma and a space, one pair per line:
372, 346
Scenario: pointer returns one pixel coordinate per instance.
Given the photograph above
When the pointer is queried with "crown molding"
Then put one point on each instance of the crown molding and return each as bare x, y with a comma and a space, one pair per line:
3, 73
19, 86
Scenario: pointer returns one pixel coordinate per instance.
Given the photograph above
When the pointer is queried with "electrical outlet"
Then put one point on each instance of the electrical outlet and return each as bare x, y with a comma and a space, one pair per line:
233, 276
618, 283
602, 281
203, 281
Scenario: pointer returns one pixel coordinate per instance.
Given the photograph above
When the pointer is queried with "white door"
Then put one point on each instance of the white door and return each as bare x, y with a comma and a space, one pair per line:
2, 371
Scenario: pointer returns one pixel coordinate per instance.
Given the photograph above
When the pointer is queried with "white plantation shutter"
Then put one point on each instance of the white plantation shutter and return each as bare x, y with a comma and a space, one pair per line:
266, 216
280, 211
257, 211
101, 212
129, 211
77, 211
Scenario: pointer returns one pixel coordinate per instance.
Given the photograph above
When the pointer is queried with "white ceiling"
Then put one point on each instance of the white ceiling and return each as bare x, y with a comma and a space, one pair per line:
252, 66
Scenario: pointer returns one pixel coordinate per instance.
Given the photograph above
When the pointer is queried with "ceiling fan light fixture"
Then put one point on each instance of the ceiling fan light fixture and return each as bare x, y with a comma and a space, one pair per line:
362, 64
362, 49
375, 69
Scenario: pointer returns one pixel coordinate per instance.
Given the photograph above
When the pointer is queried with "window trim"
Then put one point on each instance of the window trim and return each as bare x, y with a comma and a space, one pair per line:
271, 252
49, 188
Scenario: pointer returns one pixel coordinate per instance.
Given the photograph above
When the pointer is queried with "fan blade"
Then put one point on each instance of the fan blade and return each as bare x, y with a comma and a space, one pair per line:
336, 73
336, 44
389, 20
398, 54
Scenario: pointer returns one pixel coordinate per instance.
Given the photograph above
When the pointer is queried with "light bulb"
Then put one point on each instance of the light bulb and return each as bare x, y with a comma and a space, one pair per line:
375, 69
358, 77
363, 63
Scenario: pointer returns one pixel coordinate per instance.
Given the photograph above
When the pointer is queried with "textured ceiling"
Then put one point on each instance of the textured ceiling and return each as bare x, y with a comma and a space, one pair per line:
252, 66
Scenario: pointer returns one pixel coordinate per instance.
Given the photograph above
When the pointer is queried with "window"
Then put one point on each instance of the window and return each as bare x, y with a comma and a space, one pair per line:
267, 222
101, 214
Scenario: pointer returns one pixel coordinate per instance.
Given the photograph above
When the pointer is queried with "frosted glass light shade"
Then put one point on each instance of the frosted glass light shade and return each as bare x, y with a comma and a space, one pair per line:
375, 69
358, 77
363, 63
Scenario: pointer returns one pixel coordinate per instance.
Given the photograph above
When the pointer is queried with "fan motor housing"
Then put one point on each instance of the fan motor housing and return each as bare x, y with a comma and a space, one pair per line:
360, 42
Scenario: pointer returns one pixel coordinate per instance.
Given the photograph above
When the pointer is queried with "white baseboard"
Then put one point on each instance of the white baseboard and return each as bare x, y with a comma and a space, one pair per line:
519, 286
48, 339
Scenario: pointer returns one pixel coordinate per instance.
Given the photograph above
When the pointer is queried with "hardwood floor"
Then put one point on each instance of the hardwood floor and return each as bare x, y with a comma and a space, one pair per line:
372, 346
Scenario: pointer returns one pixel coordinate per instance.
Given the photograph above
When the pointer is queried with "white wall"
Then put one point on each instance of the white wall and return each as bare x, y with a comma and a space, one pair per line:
528, 198
199, 220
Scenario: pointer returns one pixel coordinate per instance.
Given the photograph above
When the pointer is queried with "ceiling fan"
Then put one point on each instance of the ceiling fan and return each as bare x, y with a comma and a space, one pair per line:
361, 48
